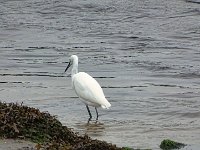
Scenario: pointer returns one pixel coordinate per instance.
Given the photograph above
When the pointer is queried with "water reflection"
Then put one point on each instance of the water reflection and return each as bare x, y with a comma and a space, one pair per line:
92, 127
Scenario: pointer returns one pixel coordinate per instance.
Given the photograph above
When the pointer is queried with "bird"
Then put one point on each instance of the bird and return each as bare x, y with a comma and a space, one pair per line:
87, 88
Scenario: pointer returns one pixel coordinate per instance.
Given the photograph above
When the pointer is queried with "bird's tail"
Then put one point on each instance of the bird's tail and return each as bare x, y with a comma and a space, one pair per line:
106, 105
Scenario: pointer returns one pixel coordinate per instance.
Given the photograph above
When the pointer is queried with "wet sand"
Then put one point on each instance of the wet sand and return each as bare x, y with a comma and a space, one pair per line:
11, 144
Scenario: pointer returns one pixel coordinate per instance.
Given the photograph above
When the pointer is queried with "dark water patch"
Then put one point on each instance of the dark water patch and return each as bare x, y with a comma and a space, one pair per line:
129, 56
81, 47
185, 15
98, 8
26, 50
126, 36
41, 47
71, 7
60, 8
103, 77
125, 121
191, 114
25, 59
123, 87
168, 85
193, 1
28, 75
191, 75
47, 75
13, 82
179, 37
193, 12
184, 95
174, 74
93, 128
159, 68
51, 62
73, 97
147, 39
7, 47
39, 72
170, 47
33, 56
36, 86
154, 66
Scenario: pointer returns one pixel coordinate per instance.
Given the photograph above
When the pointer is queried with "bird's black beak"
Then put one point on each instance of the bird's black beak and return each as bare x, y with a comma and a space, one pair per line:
68, 66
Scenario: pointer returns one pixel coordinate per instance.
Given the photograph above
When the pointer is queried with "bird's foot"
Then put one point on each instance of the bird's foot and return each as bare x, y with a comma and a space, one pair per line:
89, 120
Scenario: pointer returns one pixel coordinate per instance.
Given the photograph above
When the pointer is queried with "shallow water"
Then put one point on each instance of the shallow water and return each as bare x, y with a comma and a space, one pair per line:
145, 54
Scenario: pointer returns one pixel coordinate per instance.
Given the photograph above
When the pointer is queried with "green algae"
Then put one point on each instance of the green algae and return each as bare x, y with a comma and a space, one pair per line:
168, 144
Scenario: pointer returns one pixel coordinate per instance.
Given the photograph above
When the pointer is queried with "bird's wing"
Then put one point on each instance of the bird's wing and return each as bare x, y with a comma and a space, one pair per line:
87, 88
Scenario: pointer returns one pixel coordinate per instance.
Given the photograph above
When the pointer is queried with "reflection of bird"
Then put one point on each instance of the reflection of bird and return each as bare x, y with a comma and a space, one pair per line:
87, 88
92, 128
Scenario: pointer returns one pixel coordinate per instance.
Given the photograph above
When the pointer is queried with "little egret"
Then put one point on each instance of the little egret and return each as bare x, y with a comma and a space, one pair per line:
87, 88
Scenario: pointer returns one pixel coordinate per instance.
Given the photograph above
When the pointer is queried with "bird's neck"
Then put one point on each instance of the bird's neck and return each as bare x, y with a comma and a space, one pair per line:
75, 66
74, 70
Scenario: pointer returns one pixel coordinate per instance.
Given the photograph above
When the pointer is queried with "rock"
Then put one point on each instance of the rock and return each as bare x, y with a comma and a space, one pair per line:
169, 145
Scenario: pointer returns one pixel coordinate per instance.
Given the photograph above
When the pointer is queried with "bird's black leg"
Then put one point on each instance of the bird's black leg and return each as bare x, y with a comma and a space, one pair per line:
89, 112
97, 113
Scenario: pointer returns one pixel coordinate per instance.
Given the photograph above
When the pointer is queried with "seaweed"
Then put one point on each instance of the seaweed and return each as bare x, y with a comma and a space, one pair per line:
23, 122
168, 144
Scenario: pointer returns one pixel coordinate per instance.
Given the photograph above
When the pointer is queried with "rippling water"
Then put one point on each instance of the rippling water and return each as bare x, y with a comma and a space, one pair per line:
145, 54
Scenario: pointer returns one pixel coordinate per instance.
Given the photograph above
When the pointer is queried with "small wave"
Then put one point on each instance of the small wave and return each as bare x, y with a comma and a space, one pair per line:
168, 85
189, 75
104, 77
42, 75
99, 8
123, 87
191, 114
155, 66
15, 82
193, 1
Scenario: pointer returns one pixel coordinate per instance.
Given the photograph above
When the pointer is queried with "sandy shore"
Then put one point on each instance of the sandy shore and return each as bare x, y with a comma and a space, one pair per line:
11, 144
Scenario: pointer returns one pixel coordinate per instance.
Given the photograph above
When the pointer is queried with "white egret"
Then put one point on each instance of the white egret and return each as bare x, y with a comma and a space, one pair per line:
87, 88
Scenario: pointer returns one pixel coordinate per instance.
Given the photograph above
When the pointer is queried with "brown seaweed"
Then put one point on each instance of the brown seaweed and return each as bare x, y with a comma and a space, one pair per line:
23, 122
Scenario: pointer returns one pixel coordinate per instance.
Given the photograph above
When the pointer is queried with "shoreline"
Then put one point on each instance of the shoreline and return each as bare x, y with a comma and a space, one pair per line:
26, 128
22, 122
16, 144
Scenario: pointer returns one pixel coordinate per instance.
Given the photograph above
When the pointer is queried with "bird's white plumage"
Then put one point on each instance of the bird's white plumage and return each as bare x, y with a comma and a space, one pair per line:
87, 88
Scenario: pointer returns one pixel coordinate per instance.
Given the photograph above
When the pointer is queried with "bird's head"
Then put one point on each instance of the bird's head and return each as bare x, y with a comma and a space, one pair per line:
73, 60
